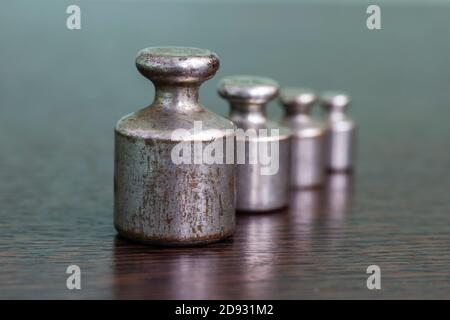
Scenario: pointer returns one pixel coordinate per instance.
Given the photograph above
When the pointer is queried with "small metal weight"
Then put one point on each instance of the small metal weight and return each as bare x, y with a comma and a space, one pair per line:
341, 133
158, 200
260, 186
308, 138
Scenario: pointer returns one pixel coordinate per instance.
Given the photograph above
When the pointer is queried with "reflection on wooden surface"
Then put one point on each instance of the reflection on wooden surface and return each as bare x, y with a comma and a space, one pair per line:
269, 253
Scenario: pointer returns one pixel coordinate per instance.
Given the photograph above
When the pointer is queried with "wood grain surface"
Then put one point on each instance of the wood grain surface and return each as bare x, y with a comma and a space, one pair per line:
56, 140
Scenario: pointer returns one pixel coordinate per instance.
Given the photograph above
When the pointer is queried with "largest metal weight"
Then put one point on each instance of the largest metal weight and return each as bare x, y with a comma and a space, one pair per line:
158, 198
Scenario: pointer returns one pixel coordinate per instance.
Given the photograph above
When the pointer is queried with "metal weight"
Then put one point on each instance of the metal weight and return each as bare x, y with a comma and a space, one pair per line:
158, 200
340, 131
308, 138
260, 185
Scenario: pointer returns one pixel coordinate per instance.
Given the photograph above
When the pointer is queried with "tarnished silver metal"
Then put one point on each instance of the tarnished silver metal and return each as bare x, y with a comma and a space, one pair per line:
156, 200
308, 138
248, 96
340, 131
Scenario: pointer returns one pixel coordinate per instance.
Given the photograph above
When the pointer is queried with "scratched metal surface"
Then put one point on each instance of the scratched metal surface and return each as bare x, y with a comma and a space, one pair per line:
61, 92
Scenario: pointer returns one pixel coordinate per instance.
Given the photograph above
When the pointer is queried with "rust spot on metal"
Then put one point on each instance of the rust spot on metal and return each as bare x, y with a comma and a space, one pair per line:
169, 220
221, 205
150, 142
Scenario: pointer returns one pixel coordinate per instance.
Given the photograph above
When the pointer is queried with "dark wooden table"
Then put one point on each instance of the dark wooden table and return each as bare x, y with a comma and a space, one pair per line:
58, 108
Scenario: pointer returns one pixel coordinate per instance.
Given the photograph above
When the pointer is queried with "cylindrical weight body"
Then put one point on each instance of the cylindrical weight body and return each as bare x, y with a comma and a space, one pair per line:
308, 161
160, 202
340, 144
263, 186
